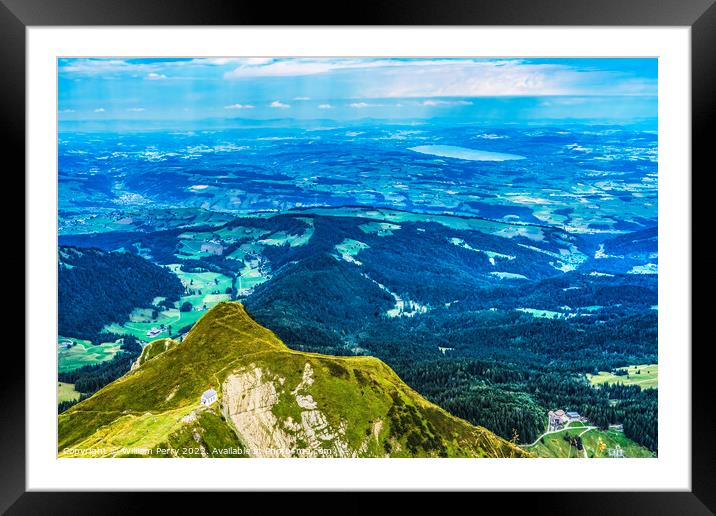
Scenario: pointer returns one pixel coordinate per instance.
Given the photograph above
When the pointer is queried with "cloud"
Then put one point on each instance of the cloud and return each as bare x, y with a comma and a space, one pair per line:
215, 61
257, 60
301, 98
67, 110
99, 110
325, 106
136, 109
239, 106
100, 66
495, 78
280, 105
363, 105
281, 68
473, 79
223, 61
295, 67
312, 66
435, 103
148, 69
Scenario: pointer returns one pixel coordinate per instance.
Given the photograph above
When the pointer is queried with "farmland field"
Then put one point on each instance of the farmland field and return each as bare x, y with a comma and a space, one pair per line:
66, 392
83, 353
544, 314
645, 376
294, 240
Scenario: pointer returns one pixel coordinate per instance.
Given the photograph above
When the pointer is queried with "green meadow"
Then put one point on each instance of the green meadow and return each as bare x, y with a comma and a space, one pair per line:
349, 248
83, 352
645, 376
66, 392
282, 238
541, 314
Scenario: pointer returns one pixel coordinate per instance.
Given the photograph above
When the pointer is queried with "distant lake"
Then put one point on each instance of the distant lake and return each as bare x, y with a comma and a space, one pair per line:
450, 151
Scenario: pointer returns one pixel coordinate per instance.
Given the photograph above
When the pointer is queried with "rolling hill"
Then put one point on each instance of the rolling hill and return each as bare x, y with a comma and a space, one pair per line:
273, 401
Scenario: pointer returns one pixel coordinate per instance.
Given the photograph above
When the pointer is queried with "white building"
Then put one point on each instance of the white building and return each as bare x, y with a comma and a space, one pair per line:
557, 418
208, 397
154, 332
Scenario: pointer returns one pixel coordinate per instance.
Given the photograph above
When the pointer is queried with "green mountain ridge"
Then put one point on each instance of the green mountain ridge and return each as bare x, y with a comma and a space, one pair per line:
272, 402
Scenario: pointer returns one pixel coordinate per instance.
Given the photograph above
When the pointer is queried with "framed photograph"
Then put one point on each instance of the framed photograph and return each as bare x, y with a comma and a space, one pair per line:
445, 248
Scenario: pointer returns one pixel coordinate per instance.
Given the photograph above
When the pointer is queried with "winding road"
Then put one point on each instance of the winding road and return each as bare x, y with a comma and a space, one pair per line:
567, 427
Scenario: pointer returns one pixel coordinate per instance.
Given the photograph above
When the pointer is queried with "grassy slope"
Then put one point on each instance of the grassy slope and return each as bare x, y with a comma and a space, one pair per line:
145, 407
154, 349
554, 445
84, 353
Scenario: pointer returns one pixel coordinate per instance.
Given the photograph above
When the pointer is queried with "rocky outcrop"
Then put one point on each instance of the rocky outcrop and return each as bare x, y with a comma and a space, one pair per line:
249, 398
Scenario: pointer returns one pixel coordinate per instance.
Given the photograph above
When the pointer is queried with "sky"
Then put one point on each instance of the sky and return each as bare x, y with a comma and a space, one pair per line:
262, 88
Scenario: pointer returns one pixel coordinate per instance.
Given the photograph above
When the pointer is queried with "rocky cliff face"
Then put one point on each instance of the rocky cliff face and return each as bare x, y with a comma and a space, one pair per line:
250, 396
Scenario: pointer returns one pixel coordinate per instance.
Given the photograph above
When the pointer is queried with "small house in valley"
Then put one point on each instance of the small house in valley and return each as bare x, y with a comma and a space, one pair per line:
208, 397
557, 418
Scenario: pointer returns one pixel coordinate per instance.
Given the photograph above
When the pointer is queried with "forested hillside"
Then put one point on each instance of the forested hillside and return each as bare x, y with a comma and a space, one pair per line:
498, 330
97, 288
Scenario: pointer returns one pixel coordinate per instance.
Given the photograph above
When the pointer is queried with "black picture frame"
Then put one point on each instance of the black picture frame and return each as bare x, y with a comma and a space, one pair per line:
700, 15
